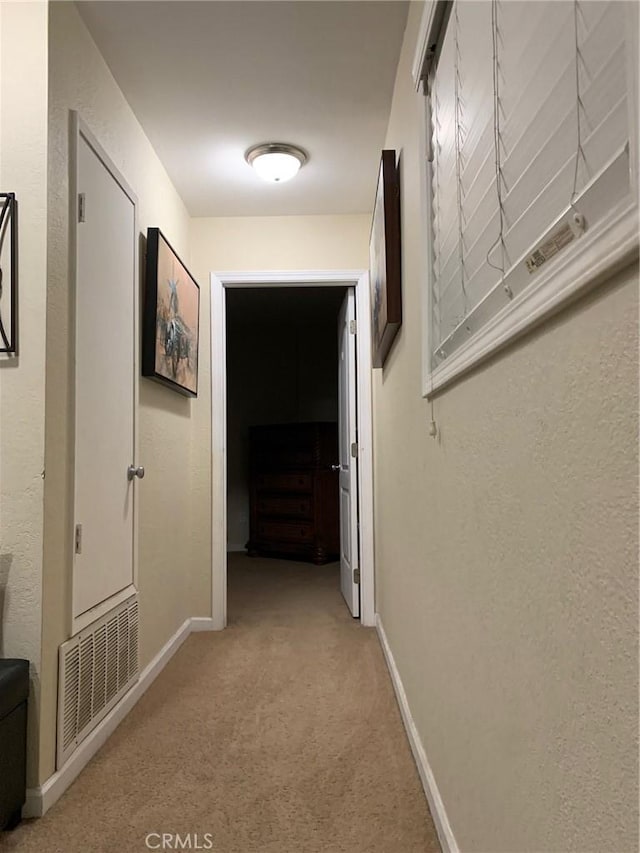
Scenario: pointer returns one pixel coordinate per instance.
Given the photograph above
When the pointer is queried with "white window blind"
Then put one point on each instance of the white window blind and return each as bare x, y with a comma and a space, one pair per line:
528, 105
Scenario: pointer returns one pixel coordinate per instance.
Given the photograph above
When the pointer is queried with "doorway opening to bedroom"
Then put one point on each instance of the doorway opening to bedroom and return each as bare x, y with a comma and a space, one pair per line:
290, 535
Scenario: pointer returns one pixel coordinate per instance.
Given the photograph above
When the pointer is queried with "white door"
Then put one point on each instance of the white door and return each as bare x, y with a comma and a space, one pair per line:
348, 461
105, 292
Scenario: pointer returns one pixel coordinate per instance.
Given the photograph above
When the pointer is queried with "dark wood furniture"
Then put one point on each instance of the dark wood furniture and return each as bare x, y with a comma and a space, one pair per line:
14, 689
294, 492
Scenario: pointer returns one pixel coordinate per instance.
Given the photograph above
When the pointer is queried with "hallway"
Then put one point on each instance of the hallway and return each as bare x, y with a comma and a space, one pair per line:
279, 735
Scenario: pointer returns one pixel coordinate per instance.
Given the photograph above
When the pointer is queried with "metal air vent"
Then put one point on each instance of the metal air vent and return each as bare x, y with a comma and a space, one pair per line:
96, 668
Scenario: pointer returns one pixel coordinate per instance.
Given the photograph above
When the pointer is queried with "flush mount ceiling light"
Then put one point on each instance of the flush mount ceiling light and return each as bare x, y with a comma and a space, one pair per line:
276, 161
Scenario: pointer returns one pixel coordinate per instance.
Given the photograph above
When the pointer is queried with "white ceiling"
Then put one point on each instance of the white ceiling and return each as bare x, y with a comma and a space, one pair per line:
209, 79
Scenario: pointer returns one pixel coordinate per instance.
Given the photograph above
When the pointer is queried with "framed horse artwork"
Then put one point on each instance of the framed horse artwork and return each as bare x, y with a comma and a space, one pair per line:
171, 318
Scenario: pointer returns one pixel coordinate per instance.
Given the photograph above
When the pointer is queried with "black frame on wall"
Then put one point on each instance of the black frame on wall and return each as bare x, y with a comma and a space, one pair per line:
9, 247
150, 368
385, 268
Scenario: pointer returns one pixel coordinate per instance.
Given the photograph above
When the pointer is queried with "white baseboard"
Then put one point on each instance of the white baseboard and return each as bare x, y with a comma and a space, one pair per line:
203, 623
40, 800
235, 547
436, 805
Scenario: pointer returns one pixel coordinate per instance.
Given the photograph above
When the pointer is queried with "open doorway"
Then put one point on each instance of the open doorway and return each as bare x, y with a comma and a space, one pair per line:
283, 448
258, 330
282, 400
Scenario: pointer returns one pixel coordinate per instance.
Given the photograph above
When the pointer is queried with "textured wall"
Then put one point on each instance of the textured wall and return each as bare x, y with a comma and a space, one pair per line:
23, 164
507, 560
174, 558
280, 243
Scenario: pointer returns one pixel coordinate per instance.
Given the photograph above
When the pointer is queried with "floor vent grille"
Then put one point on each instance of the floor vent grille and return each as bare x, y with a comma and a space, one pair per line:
96, 669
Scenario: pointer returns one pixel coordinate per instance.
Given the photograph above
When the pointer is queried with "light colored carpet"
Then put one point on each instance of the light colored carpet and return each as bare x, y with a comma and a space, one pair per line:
279, 735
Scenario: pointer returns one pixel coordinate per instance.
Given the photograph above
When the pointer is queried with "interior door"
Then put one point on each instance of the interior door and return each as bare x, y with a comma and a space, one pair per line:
349, 581
105, 292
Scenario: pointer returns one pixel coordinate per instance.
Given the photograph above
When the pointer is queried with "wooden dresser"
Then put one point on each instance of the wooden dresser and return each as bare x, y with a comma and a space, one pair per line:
294, 492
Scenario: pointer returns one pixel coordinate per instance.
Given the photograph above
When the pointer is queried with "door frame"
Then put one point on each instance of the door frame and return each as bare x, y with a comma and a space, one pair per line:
78, 129
220, 281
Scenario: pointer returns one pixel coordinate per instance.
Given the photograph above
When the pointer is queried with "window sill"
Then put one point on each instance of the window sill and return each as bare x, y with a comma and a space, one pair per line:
609, 248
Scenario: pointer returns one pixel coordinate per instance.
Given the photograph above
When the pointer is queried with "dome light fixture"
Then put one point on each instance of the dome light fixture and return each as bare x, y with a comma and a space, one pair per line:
276, 161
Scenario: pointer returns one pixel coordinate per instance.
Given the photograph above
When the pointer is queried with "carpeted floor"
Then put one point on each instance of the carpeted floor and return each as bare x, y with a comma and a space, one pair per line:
279, 735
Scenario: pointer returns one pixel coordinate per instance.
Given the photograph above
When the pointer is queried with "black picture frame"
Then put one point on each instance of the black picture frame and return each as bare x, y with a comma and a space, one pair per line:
385, 273
171, 318
8, 274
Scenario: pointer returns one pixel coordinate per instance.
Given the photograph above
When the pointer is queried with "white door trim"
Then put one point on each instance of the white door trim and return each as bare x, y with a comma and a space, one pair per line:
77, 129
358, 279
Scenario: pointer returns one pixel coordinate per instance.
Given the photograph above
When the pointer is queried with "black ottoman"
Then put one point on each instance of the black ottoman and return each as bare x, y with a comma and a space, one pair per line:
14, 689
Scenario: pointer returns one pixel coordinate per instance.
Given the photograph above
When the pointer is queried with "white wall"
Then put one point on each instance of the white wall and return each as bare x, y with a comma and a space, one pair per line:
174, 555
280, 243
23, 164
507, 558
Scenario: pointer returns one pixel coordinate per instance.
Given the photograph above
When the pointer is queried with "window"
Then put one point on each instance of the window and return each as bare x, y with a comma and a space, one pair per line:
531, 167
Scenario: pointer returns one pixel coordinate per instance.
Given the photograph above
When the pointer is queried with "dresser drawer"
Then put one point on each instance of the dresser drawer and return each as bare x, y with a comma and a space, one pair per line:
301, 507
284, 531
285, 482
286, 459
294, 494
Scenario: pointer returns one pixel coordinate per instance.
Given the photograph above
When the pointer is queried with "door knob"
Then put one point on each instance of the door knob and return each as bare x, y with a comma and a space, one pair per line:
132, 472
336, 467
